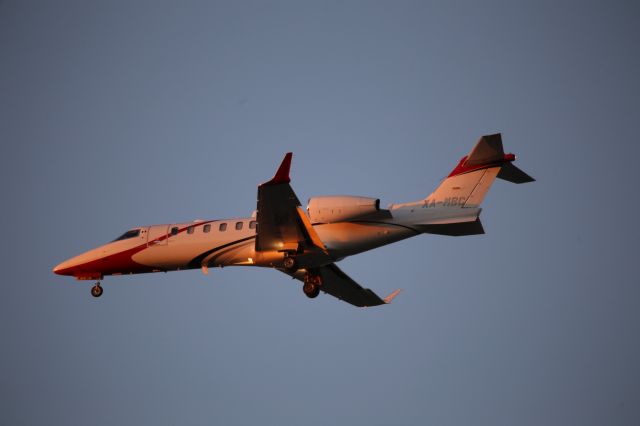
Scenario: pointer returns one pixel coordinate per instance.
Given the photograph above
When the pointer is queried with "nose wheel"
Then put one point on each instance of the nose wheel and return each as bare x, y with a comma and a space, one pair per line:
96, 290
311, 286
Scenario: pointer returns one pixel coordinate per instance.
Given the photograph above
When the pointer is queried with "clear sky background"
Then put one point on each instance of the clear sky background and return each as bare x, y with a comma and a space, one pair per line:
118, 114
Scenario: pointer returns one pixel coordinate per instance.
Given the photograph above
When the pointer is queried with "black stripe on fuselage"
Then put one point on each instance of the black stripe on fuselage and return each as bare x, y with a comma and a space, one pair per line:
196, 262
374, 222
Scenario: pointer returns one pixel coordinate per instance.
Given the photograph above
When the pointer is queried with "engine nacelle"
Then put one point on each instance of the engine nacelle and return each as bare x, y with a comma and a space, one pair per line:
339, 208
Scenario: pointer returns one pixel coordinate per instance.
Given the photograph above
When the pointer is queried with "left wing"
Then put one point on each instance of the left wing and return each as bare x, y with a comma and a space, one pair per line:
282, 224
340, 285
277, 204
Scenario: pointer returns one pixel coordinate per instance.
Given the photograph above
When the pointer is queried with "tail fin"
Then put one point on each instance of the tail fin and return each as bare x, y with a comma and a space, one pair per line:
467, 185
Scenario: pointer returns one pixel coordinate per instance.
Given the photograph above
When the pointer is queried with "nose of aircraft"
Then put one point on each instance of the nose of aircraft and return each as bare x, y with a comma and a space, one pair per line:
64, 268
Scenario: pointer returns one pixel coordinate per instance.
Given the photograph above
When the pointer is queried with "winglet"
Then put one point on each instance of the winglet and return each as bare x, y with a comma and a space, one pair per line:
392, 296
282, 175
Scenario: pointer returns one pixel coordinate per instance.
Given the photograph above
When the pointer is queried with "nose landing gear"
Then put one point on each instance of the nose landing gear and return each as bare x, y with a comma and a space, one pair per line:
96, 290
311, 286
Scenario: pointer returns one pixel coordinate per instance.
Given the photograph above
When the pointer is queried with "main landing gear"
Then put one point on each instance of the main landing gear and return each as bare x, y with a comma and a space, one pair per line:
96, 290
311, 286
290, 264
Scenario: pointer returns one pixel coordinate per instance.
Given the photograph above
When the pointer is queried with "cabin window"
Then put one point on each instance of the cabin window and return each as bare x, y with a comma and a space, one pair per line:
252, 224
129, 234
190, 229
222, 227
206, 228
238, 226
174, 230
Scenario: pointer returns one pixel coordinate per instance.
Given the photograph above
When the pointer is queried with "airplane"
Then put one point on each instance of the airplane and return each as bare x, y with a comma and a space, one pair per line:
306, 245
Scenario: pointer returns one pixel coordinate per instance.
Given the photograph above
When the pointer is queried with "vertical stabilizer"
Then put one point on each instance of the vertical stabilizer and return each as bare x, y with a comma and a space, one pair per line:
468, 183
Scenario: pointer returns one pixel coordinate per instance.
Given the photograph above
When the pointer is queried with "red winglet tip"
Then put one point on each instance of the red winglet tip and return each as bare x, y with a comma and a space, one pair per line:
282, 175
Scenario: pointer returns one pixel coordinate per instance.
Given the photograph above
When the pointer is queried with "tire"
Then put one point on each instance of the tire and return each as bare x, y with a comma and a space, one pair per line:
96, 290
315, 293
310, 290
290, 264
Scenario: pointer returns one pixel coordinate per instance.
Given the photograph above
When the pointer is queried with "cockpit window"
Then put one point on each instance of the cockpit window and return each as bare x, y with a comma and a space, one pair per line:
129, 234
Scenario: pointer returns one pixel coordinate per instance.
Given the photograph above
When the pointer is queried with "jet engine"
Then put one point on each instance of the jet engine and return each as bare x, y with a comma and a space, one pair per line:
340, 208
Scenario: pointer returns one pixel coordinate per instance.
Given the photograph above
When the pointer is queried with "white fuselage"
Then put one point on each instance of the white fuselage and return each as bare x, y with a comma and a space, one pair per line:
306, 244
229, 242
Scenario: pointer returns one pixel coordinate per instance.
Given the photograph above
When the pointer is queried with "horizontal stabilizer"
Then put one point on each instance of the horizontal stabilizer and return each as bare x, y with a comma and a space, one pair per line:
511, 173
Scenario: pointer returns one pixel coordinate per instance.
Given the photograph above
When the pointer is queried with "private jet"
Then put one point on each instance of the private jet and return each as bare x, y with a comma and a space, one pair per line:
305, 244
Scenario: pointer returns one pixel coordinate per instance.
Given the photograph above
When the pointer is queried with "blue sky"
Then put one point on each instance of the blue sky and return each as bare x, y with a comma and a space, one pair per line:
119, 114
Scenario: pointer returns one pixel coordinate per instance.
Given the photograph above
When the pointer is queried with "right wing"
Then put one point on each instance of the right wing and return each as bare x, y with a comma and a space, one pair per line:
340, 285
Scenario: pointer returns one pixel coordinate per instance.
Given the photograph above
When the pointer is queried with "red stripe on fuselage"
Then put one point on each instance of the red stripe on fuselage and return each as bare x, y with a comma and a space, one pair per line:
117, 263
121, 262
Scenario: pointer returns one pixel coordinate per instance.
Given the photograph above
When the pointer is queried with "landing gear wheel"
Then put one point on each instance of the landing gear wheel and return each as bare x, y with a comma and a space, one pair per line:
290, 264
311, 290
312, 285
96, 290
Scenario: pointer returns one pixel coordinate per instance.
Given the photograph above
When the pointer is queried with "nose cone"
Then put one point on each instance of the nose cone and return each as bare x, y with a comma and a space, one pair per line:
65, 268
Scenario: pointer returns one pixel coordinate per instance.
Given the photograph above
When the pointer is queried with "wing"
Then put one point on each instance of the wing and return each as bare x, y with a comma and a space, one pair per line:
340, 285
277, 204
282, 224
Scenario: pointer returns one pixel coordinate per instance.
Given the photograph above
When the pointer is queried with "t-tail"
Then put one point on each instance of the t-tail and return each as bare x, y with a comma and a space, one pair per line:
467, 185
454, 207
